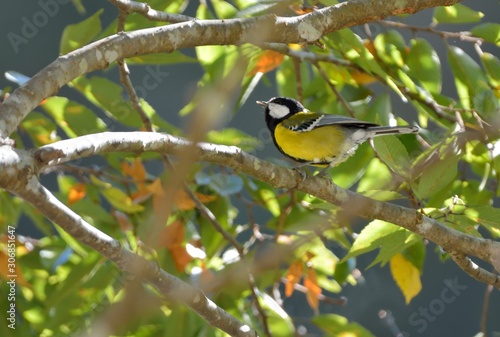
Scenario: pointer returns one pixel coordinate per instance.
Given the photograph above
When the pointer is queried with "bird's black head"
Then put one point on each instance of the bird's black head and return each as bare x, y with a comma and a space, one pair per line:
278, 109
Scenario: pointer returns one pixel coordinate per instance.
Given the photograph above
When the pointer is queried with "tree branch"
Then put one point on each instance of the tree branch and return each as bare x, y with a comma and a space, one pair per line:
450, 239
98, 55
13, 161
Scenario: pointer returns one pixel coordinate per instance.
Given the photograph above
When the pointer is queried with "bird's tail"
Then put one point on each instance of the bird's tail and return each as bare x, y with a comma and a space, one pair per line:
375, 131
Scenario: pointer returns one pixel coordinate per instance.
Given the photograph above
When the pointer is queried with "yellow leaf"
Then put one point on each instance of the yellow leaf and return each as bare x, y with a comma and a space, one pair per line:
406, 275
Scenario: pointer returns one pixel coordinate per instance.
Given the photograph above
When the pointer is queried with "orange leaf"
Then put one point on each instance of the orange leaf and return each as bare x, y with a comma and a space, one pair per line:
370, 46
313, 289
180, 256
185, 203
293, 277
135, 170
301, 10
362, 78
172, 235
77, 192
10, 270
159, 199
268, 60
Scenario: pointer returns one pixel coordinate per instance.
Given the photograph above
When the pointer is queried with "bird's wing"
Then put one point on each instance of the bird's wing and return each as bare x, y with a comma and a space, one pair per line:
307, 121
345, 121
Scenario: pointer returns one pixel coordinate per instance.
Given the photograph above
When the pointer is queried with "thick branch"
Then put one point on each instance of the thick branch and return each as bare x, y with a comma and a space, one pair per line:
448, 238
13, 161
98, 55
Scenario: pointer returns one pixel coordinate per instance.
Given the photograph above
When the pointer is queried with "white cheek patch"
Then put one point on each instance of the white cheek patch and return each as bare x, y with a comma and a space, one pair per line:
277, 110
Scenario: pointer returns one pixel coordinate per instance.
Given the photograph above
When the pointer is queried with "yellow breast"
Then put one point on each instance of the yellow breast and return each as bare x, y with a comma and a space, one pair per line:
320, 145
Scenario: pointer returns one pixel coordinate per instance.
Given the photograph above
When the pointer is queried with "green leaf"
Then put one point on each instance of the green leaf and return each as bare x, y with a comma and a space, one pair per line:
354, 168
457, 13
107, 95
234, 137
79, 34
284, 73
74, 118
469, 77
415, 253
336, 325
211, 239
223, 9
486, 216
489, 31
121, 201
376, 177
487, 105
11, 209
391, 47
492, 66
393, 153
40, 129
437, 175
424, 65
391, 239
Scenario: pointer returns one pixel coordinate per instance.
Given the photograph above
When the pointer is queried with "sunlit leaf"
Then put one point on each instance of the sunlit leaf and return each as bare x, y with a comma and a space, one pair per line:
486, 216
469, 77
74, 118
491, 64
172, 237
393, 153
313, 290
267, 61
11, 270
391, 47
77, 192
406, 275
293, 276
424, 65
391, 239
336, 325
437, 175
489, 31
185, 203
457, 13
121, 201
77, 35
41, 129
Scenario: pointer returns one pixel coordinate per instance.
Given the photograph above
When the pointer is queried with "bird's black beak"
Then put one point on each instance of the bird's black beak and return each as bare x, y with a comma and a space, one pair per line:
262, 103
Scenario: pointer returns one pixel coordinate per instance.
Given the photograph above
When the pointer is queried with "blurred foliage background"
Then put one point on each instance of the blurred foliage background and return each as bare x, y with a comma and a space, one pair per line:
438, 69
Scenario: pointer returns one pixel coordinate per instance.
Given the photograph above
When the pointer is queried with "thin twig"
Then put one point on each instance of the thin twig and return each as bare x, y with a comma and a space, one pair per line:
464, 36
422, 98
334, 89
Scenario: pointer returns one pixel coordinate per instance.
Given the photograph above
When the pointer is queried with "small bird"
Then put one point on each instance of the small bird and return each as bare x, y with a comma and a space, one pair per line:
312, 138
